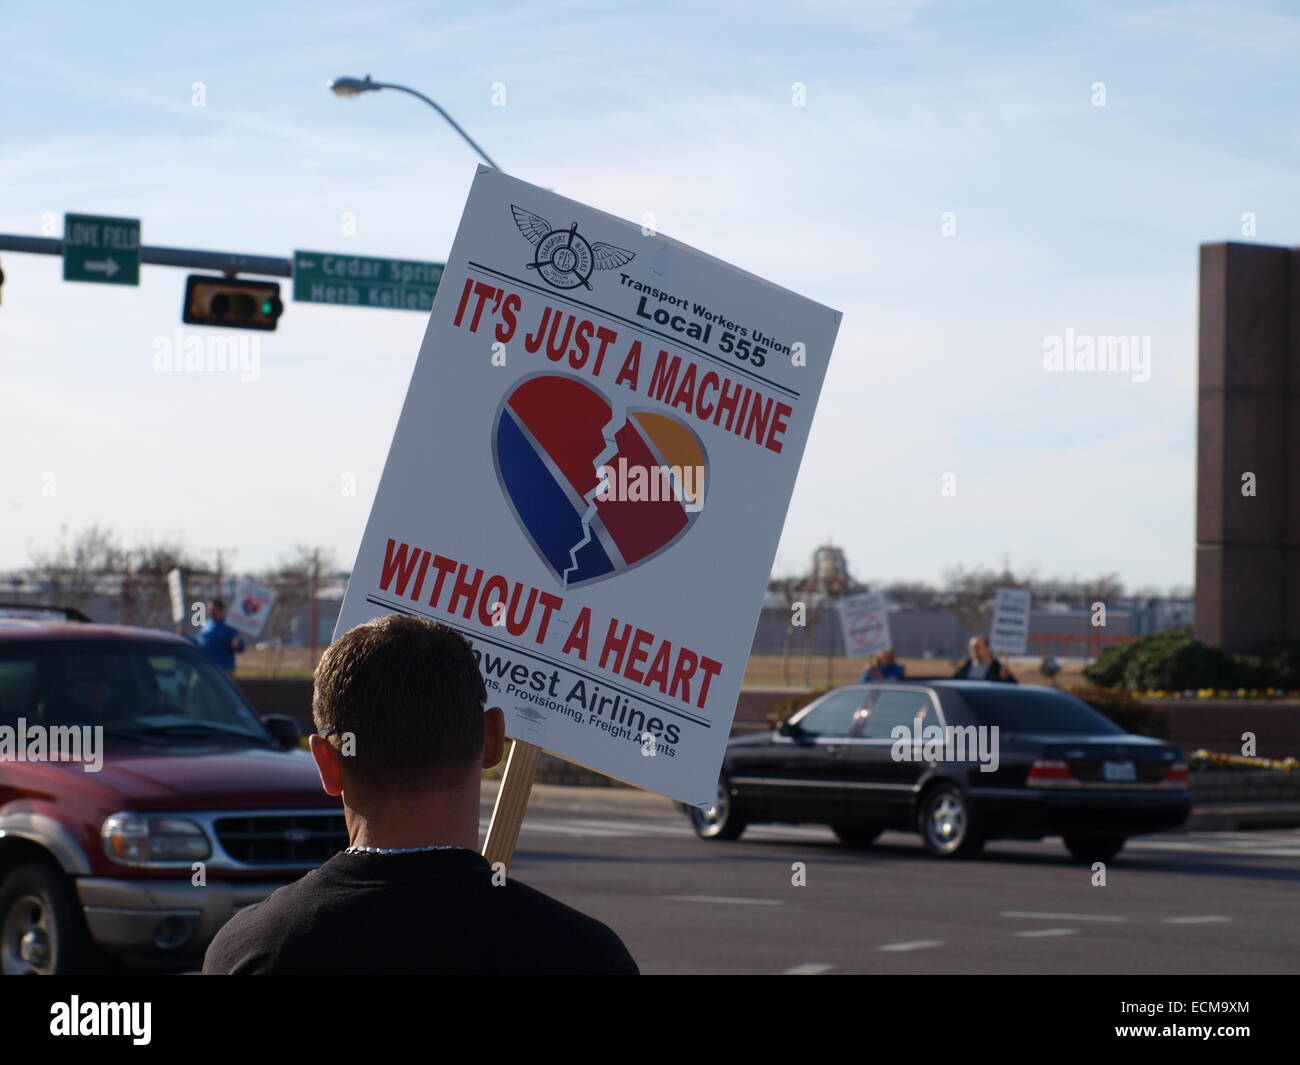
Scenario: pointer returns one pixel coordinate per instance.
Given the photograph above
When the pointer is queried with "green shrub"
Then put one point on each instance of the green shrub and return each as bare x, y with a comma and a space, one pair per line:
1177, 661
1281, 666
1108, 670
1168, 661
1125, 710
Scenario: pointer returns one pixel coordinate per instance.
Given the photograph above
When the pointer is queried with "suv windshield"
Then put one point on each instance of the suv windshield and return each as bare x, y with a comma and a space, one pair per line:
1025, 710
137, 689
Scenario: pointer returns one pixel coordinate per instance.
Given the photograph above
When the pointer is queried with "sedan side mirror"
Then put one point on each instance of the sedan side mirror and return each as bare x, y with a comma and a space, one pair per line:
789, 728
283, 729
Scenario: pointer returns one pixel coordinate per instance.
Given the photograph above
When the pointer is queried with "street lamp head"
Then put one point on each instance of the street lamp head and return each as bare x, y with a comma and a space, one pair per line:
349, 87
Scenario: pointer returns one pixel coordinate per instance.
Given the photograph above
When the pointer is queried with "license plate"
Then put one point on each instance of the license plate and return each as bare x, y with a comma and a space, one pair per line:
1118, 771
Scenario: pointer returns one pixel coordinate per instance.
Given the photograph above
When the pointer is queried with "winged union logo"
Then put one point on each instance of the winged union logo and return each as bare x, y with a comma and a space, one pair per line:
564, 257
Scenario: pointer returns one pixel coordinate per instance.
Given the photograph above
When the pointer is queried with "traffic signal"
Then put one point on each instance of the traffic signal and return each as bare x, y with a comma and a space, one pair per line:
232, 302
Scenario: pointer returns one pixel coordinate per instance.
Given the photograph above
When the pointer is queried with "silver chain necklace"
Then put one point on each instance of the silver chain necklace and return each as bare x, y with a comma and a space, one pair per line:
402, 850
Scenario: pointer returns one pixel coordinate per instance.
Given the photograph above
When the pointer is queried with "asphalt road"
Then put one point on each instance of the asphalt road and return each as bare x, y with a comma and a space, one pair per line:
1189, 903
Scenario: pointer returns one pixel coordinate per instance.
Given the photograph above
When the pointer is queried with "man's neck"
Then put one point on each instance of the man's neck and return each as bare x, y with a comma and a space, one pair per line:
448, 817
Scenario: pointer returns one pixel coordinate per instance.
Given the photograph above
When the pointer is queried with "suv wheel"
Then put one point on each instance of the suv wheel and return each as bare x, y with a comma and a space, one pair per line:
947, 824
719, 821
1094, 848
42, 931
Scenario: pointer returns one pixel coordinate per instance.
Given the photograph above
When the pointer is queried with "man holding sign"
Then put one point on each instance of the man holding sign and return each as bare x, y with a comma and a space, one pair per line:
220, 640
587, 482
403, 737
980, 664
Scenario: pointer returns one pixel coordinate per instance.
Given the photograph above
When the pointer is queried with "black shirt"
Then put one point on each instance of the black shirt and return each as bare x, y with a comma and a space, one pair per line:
996, 671
421, 912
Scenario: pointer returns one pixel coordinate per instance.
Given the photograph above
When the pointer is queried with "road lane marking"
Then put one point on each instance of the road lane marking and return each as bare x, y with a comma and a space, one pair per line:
810, 968
1032, 915
607, 829
568, 830
1035, 933
915, 944
1206, 919
725, 899
659, 828
1243, 849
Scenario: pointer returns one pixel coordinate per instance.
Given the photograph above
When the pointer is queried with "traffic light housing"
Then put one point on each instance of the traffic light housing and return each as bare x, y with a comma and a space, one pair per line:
231, 302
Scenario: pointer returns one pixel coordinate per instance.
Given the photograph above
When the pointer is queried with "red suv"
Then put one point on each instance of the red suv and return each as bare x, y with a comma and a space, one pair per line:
142, 801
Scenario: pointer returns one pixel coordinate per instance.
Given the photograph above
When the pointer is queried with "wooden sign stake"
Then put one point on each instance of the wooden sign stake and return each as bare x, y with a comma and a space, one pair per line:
512, 802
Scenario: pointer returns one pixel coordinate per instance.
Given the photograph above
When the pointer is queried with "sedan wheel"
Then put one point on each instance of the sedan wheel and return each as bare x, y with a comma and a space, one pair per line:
718, 821
947, 824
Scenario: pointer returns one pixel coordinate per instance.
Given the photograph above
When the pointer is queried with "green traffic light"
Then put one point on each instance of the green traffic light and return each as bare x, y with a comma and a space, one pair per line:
266, 308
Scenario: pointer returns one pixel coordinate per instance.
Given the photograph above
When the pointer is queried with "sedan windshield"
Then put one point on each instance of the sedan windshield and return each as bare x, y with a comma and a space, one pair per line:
1025, 710
136, 689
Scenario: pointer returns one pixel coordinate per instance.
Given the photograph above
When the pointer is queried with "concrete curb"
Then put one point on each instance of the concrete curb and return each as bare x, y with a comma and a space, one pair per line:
1243, 816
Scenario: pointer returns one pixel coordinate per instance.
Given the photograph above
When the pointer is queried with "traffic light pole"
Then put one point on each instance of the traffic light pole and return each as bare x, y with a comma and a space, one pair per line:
229, 263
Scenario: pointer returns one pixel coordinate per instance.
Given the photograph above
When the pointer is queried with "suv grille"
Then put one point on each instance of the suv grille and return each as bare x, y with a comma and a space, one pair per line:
280, 839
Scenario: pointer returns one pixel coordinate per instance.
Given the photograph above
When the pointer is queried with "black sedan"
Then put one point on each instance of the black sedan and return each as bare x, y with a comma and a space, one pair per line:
960, 762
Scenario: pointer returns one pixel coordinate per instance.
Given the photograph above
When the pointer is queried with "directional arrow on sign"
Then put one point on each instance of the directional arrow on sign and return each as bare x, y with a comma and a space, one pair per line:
102, 250
108, 267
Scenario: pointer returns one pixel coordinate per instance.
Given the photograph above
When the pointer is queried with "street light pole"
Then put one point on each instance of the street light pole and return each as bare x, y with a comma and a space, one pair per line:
352, 87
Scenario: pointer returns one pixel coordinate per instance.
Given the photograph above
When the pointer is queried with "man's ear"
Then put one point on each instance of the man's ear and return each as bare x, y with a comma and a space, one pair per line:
494, 737
328, 764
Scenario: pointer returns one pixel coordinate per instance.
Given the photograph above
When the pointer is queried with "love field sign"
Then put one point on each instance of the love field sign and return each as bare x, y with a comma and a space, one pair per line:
590, 475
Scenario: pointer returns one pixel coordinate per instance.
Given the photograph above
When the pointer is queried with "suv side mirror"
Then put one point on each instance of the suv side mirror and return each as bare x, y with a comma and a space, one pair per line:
283, 729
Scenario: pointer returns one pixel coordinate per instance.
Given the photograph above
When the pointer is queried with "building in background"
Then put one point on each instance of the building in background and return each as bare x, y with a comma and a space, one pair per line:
920, 624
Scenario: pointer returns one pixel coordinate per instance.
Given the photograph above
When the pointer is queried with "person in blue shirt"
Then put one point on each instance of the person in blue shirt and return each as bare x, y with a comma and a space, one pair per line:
219, 640
884, 667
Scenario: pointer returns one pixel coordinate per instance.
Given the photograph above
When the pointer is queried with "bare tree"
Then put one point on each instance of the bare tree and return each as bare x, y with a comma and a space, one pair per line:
1080, 593
1104, 588
970, 594
148, 565
967, 594
916, 594
76, 564
788, 589
295, 578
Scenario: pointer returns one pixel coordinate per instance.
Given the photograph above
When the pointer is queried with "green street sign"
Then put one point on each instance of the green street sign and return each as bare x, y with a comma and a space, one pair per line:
103, 250
358, 281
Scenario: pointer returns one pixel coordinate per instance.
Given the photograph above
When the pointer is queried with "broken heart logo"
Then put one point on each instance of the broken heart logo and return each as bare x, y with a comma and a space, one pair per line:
553, 437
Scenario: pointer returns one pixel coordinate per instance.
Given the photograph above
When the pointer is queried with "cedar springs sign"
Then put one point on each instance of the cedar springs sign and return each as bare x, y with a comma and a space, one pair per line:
360, 281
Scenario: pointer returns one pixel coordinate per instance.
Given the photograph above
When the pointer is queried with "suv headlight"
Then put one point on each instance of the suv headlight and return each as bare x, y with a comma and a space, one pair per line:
143, 839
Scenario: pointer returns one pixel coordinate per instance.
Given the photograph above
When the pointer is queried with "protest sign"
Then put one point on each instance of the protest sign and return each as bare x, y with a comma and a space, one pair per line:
865, 621
589, 478
1010, 632
176, 592
251, 607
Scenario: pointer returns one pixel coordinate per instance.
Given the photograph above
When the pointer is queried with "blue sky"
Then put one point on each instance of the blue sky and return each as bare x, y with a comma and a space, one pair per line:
1068, 216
